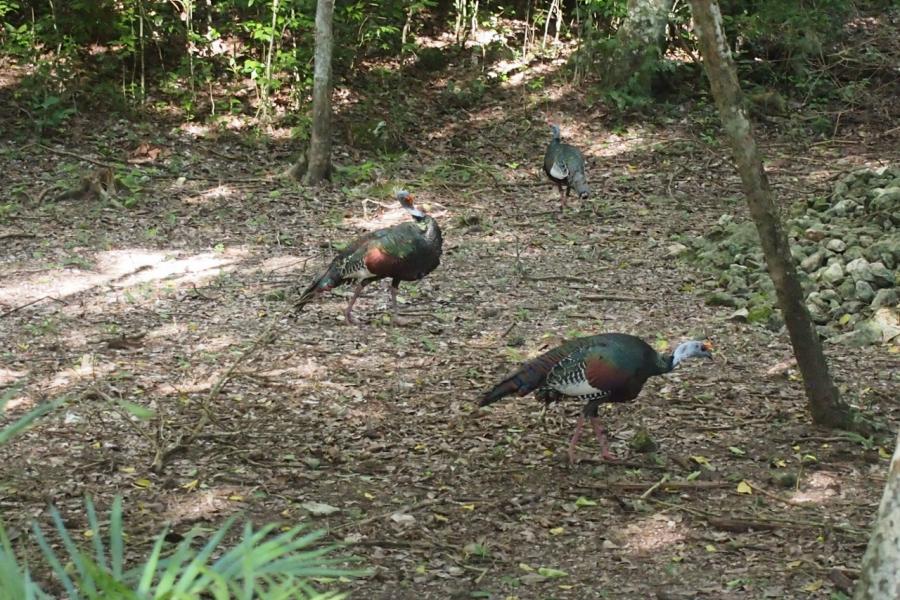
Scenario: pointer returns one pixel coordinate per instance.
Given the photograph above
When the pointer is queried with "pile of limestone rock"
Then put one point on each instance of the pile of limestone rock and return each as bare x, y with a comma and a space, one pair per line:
847, 248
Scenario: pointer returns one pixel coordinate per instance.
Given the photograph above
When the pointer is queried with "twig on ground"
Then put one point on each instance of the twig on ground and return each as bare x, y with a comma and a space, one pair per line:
610, 298
27, 304
416, 506
185, 440
79, 157
655, 486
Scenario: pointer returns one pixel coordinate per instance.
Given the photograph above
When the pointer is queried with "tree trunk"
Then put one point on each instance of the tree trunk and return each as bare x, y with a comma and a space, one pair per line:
880, 575
318, 166
825, 404
639, 42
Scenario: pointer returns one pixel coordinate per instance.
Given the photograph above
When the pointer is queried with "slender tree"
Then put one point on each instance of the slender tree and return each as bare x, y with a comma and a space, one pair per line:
639, 42
825, 404
880, 575
315, 165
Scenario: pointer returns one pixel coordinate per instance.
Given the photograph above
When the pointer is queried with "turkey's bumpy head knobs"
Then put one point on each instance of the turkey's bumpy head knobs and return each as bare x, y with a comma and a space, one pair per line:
406, 201
692, 349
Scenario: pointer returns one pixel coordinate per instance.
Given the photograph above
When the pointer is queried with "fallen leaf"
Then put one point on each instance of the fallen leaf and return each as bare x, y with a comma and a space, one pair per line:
744, 488
319, 508
403, 518
582, 501
551, 573
813, 586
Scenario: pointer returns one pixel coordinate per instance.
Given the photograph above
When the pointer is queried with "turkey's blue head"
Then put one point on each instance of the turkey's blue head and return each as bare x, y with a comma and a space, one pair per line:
691, 349
554, 130
406, 201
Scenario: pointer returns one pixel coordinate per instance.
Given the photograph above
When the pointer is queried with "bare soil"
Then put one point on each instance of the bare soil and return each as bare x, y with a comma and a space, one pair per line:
173, 296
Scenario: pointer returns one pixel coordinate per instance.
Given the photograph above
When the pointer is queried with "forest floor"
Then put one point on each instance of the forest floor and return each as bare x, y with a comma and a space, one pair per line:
172, 296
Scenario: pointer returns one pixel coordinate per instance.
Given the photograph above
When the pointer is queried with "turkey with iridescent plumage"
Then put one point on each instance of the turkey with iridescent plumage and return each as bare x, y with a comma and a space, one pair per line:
564, 165
610, 367
404, 252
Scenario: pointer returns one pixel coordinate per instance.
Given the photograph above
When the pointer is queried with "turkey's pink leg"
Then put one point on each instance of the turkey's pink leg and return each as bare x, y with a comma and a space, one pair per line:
348, 314
562, 200
601, 437
575, 437
396, 319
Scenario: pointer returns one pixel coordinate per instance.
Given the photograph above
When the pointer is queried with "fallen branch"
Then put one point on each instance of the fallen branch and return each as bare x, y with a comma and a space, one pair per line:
610, 298
635, 486
79, 157
743, 524
655, 486
378, 517
27, 304
185, 440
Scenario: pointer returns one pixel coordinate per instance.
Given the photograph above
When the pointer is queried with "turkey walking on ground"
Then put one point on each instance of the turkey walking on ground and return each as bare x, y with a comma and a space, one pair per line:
564, 165
405, 252
610, 367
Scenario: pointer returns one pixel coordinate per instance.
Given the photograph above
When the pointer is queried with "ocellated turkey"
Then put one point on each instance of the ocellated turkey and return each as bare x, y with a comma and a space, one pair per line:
564, 165
404, 252
610, 367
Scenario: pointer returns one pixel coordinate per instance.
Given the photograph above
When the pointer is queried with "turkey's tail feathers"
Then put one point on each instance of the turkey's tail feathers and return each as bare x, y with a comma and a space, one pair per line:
528, 378
578, 181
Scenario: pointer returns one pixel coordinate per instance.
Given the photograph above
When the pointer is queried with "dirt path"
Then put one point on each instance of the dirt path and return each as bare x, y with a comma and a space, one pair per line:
153, 303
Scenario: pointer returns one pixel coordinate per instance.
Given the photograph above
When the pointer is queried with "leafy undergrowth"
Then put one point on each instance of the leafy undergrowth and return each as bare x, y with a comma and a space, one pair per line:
175, 300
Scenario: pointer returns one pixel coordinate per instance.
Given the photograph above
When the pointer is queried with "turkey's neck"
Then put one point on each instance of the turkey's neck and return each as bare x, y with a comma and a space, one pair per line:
430, 229
665, 363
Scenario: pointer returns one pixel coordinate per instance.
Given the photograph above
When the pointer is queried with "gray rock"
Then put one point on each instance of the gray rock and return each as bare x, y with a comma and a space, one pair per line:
853, 252
865, 334
676, 249
718, 298
813, 261
836, 245
831, 297
833, 274
817, 313
885, 297
864, 292
859, 270
886, 200
847, 289
816, 235
885, 250
739, 316
853, 307
816, 298
882, 276
843, 208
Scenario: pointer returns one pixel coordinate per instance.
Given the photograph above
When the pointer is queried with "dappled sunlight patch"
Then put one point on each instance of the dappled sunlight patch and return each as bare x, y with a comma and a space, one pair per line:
817, 488
217, 344
615, 144
167, 331
88, 368
215, 193
187, 387
9, 376
196, 129
310, 368
204, 504
390, 217
652, 534
120, 269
